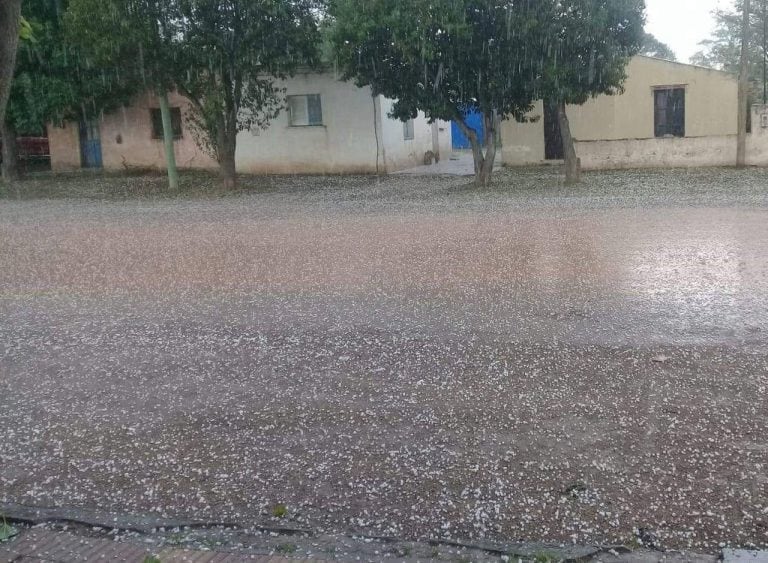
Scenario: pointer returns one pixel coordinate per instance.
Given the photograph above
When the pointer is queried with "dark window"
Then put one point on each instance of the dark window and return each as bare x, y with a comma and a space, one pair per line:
305, 110
157, 123
669, 111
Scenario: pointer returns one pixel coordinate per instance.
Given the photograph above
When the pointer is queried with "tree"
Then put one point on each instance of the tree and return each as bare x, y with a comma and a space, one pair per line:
444, 57
234, 53
592, 42
10, 22
138, 37
652, 47
52, 81
723, 50
741, 138
225, 56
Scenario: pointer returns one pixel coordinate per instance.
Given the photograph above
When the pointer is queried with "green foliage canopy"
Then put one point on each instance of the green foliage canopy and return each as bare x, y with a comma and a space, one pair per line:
443, 56
233, 54
653, 47
54, 81
590, 43
225, 56
723, 50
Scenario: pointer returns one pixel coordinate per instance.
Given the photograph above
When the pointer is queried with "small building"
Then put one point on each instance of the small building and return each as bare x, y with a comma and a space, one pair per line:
670, 115
329, 127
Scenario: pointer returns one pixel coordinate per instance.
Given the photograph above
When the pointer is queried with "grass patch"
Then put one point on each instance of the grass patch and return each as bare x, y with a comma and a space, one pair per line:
287, 548
140, 184
544, 557
279, 511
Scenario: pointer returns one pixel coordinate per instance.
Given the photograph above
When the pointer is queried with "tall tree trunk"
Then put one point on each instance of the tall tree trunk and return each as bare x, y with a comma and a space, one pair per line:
10, 20
227, 144
572, 162
490, 124
741, 137
483, 163
168, 141
10, 153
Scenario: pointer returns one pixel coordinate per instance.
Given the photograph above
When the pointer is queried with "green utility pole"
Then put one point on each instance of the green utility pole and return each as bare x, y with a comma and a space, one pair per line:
170, 154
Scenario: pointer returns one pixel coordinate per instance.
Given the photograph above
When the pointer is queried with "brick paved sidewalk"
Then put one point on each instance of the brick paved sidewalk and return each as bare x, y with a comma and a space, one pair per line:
38, 545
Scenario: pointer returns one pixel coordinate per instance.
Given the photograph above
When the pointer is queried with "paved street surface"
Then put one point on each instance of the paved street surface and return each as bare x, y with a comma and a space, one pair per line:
458, 163
406, 357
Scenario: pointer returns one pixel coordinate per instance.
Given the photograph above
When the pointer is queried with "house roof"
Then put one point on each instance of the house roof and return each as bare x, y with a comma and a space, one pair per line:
701, 67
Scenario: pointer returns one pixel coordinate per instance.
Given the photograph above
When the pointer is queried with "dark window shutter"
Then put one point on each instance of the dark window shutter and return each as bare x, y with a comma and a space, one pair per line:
315, 109
157, 123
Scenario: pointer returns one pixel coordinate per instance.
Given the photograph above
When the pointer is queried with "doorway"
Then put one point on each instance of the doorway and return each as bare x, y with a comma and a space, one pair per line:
90, 144
553, 140
474, 120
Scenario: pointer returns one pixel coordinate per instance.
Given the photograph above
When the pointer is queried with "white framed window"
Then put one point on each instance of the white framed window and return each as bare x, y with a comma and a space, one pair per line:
408, 133
305, 110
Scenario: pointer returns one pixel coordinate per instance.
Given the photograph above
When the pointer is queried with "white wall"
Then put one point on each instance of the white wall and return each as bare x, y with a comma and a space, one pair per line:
345, 143
400, 153
445, 140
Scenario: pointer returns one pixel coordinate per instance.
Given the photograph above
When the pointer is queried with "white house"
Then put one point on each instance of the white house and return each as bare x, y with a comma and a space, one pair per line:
329, 127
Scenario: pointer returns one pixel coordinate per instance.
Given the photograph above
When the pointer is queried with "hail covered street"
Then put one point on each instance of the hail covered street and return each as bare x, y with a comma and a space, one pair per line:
403, 357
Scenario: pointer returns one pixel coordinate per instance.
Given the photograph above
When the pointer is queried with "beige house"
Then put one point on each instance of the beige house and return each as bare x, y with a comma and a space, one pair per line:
328, 127
671, 114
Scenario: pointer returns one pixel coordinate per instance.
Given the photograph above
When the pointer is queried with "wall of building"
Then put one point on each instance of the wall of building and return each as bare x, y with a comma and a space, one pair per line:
64, 144
400, 153
710, 111
127, 141
757, 140
345, 143
522, 144
710, 103
688, 152
677, 152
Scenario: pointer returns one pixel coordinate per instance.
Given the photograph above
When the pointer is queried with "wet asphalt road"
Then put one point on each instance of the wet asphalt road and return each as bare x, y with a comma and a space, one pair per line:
403, 358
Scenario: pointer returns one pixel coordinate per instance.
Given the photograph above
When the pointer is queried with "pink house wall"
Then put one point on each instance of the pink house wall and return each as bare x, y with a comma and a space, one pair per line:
127, 141
64, 146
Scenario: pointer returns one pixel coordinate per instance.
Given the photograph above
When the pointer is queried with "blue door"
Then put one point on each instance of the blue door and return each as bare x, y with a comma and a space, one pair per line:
90, 144
475, 121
